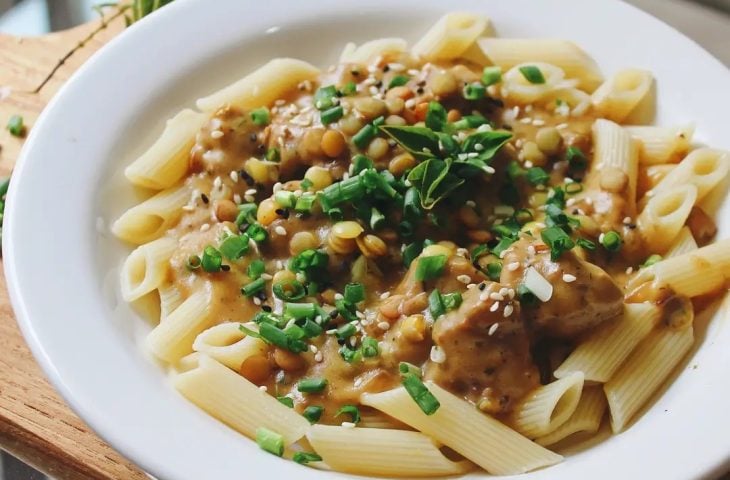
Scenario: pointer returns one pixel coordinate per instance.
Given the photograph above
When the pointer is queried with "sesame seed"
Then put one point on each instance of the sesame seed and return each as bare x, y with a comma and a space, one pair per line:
627, 219
410, 103
629, 270
568, 278
236, 198
502, 253
263, 388
538, 123
462, 252
384, 295
250, 191
531, 250
217, 183
437, 355
373, 90
396, 67
233, 175
279, 230
496, 296
267, 276
600, 237
257, 301
339, 296
383, 325
488, 169
470, 286
465, 279
348, 425
494, 307
413, 71
478, 147
508, 310
504, 291
484, 296
216, 134
353, 341
359, 314
513, 266
561, 126
313, 348
249, 198
493, 328
188, 208
526, 120
511, 293
528, 164
205, 227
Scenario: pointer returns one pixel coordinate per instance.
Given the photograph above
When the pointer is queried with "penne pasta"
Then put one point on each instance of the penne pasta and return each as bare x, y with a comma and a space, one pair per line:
664, 216
146, 268
644, 371
227, 344
621, 94
150, 219
566, 55
268, 83
520, 90
237, 402
659, 145
704, 168
170, 298
166, 162
369, 51
615, 151
487, 442
451, 36
586, 418
601, 354
549, 406
684, 243
382, 452
173, 338
650, 176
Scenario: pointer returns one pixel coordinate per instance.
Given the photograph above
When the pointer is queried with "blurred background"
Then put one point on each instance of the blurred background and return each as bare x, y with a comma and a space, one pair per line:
705, 21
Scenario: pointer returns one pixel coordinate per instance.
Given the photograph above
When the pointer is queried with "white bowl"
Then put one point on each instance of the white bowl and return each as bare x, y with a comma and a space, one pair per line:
61, 261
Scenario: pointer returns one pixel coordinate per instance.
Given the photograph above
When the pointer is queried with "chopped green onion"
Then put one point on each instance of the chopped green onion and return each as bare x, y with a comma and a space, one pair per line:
15, 126
451, 301
350, 88
360, 163
558, 241
425, 400
410, 253
285, 198
211, 260
525, 295
272, 154
324, 97
532, 74
406, 368
295, 332
436, 304
377, 219
350, 355
255, 269
398, 81
436, 116
248, 332
246, 213
254, 287
469, 121
586, 244
576, 158
430, 267
346, 331
573, 188
257, 233
379, 121
331, 115
234, 247
312, 385
300, 310
369, 347
288, 401
276, 336
193, 262
362, 138
313, 413
304, 458
311, 329
354, 292
260, 116
503, 245
305, 203
494, 270
412, 209
290, 290
270, 441
350, 410
611, 241
491, 75
651, 260
306, 184
537, 176
474, 91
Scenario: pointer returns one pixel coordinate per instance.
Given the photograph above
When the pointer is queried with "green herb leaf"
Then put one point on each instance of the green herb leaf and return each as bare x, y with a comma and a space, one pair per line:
436, 116
398, 81
350, 410
434, 181
421, 142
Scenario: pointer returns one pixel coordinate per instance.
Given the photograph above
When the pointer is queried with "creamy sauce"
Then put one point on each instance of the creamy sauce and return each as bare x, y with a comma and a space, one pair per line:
482, 350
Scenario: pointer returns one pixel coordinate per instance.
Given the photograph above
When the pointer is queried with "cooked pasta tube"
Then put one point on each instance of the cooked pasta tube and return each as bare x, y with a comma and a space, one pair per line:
548, 406
261, 87
644, 371
664, 216
173, 338
166, 162
622, 93
518, 88
586, 418
576, 63
615, 150
227, 344
486, 442
704, 168
603, 352
146, 268
149, 220
451, 36
658, 145
684, 243
170, 299
369, 51
384, 452
238, 403
650, 176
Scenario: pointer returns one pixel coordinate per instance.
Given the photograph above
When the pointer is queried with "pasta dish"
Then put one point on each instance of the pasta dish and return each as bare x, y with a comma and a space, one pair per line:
423, 261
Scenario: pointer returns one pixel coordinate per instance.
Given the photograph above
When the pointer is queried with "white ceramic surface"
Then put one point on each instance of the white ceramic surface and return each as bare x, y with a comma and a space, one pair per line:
61, 261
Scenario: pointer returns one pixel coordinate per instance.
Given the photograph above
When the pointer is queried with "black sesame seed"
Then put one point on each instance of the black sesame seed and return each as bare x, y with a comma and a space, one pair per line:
355, 73
282, 212
265, 308
482, 286
225, 268
205, 198
333, 314
422, 83
379, 83
341, 341
419, 90
253, 137
386, 68
246, 177
261, 296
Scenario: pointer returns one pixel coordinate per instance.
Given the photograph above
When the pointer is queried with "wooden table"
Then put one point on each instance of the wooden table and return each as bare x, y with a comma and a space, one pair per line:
35, 423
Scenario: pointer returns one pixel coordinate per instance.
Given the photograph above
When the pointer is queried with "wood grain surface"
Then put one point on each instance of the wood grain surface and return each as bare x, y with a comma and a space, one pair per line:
35, 423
